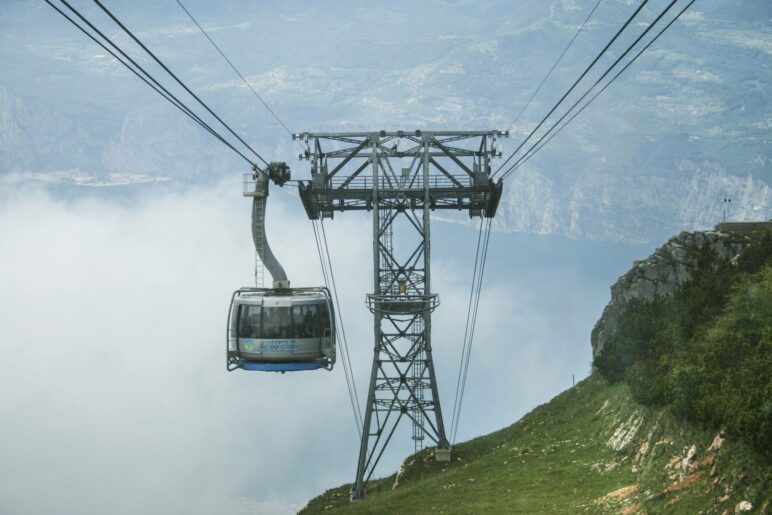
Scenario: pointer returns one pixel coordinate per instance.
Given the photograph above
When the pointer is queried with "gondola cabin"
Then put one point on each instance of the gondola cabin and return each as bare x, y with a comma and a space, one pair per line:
281, 330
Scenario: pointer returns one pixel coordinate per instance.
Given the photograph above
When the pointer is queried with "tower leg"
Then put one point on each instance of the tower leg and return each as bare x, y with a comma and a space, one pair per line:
358, 490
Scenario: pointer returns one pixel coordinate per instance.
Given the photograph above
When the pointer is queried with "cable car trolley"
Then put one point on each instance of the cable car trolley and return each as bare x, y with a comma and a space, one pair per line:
279, 329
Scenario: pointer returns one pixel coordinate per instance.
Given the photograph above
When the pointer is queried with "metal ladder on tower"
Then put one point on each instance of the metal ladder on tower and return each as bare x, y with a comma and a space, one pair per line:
418, 385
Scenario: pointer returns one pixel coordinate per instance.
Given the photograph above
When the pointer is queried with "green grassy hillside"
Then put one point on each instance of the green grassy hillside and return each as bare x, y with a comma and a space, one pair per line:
677, 417
591, 449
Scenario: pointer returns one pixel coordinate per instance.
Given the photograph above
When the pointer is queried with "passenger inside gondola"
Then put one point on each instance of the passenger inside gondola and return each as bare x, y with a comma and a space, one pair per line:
276, 323
301, 320
249, 321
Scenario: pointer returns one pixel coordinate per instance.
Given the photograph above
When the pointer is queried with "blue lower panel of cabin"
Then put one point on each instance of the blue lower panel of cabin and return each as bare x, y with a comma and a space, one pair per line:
284, 367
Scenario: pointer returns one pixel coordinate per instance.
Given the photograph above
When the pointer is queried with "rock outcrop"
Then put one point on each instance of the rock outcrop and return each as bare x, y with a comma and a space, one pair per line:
661, 274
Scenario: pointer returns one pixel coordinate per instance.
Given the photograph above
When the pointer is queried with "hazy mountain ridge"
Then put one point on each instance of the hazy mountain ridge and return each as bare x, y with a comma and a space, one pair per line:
34, 137
687, 126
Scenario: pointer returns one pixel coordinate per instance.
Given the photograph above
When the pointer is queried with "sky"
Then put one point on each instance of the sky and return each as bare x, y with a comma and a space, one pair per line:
113, 391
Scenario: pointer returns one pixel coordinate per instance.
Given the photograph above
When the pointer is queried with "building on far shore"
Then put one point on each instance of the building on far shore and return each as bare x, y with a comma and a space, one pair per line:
744, 227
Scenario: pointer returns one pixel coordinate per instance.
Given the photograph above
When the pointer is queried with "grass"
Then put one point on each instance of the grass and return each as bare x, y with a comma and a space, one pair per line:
591, 449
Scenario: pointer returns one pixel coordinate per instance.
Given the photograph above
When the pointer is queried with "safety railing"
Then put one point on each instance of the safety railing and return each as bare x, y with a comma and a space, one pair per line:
249, 185
385, 182
402, 304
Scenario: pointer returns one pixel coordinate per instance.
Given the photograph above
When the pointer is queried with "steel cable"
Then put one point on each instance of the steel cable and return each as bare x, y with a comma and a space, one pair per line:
150, 80
233, 67
177, 79
589, 90
620, 72
474, 304
560, 58
469, 335
348, 372
340, 316
474, 323
466, 326
584, 73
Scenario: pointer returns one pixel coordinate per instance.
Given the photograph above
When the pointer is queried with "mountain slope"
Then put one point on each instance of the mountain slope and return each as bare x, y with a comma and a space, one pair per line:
590, 449
675, 417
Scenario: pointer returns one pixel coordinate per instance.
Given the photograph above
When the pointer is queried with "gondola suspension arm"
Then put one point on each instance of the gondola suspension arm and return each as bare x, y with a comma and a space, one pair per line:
279, 173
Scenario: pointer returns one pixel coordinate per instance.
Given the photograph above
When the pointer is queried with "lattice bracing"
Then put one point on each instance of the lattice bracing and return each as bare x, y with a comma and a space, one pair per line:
400, 177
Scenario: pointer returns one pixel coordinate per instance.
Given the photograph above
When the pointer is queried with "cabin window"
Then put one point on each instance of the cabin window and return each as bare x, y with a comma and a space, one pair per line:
272, 323
301, 316
277, 323
311, 320
323, 320
249, 321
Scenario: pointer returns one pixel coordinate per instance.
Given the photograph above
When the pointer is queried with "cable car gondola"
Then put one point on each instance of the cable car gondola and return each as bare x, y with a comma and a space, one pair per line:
279, 329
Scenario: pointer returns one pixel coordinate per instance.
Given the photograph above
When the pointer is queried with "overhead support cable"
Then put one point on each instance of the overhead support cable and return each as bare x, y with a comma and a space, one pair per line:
146, 77
620, 72
560, 58
466, 327
481, 258
340, 336
595, 84
484, 235
473, 324
340, 318
233, 67
177, 79
573, 86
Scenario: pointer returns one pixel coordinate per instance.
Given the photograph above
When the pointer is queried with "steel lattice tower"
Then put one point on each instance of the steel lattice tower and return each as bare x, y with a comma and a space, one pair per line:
400, 177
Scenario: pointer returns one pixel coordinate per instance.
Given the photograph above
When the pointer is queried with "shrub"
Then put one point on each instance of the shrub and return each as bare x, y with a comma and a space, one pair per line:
705, 353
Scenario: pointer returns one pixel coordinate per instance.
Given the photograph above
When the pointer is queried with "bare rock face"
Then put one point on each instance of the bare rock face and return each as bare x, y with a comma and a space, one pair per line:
661, 274
718, 441
689, 459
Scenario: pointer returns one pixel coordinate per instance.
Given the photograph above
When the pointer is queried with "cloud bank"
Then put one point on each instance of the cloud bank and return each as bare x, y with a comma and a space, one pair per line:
113, 391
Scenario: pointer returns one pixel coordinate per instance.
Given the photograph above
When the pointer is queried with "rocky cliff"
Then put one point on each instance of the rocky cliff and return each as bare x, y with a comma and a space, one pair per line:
661, 274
